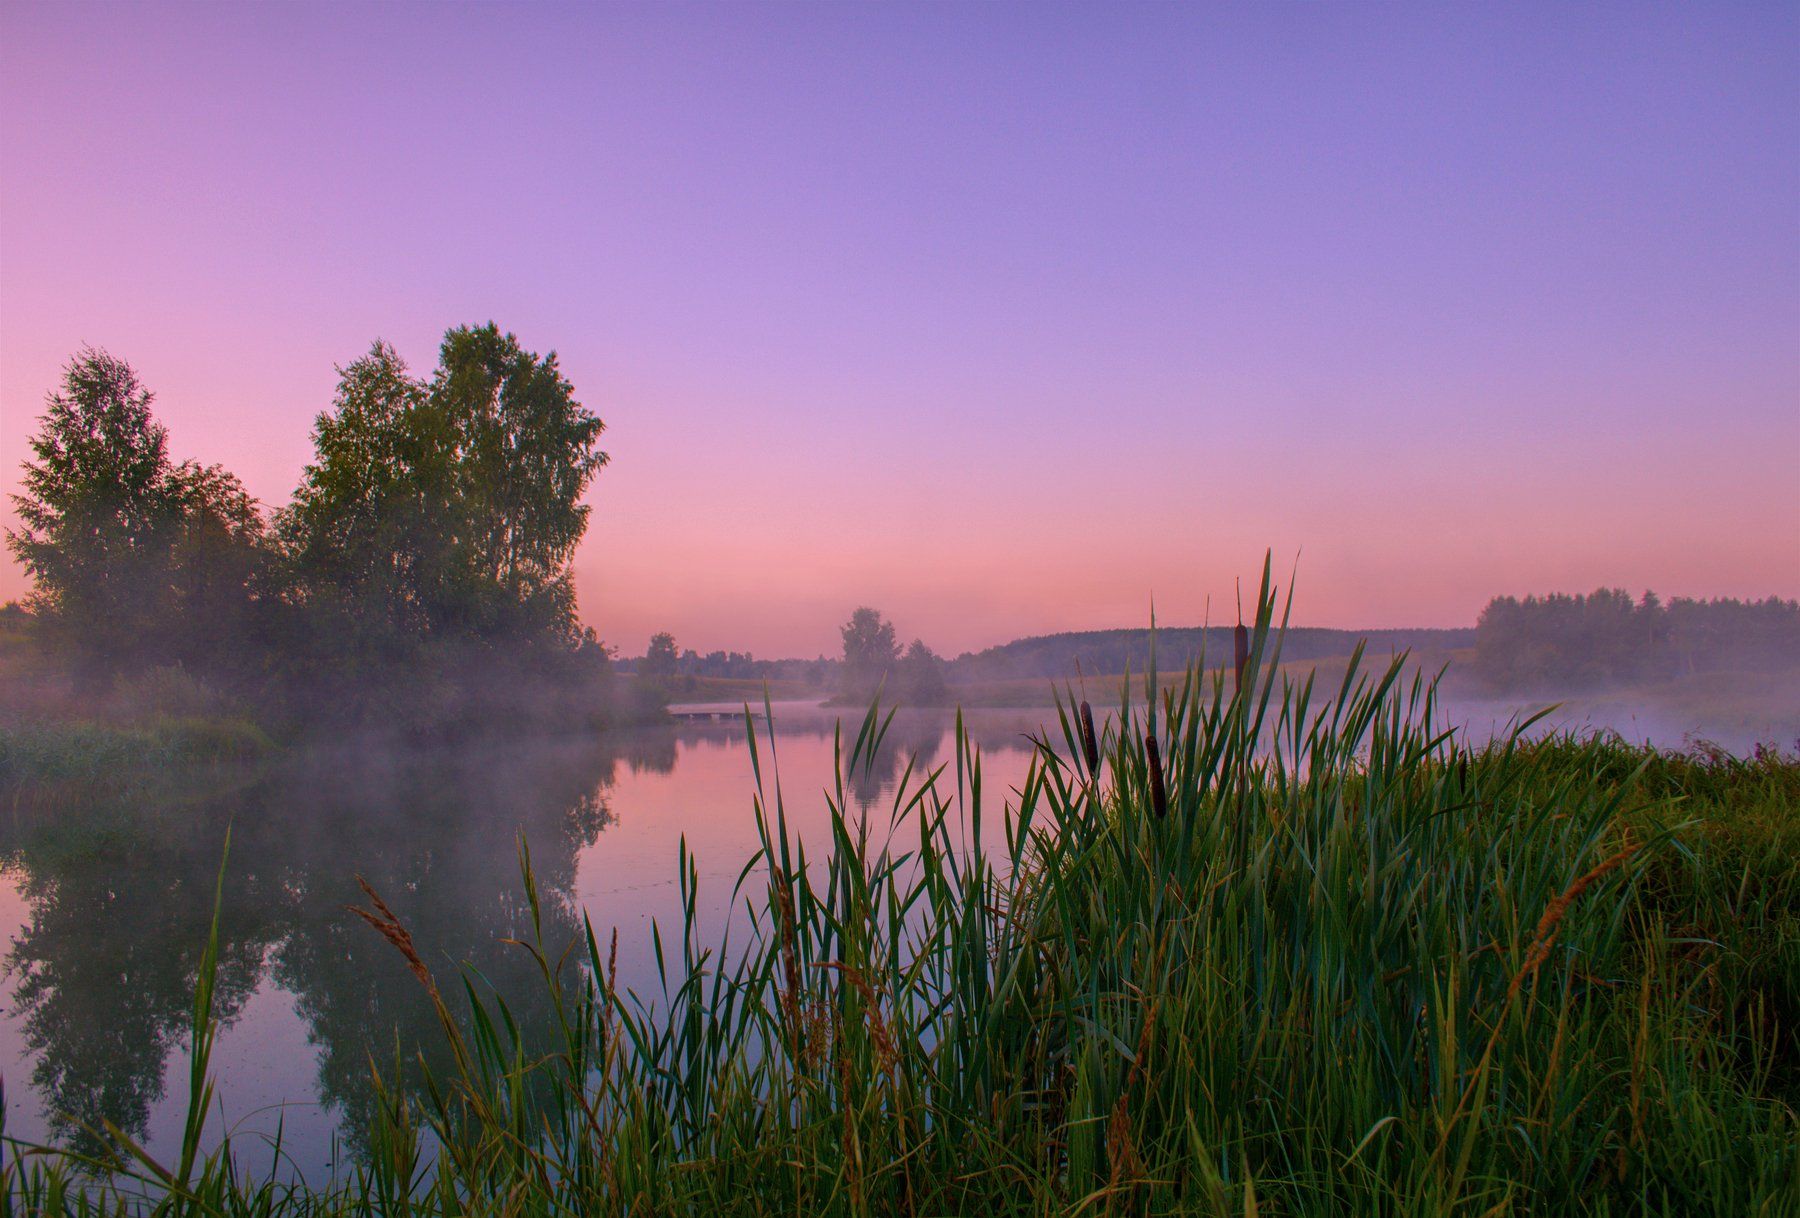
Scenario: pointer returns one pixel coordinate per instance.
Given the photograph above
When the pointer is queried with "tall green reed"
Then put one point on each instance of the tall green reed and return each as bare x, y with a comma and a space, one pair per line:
1243, 947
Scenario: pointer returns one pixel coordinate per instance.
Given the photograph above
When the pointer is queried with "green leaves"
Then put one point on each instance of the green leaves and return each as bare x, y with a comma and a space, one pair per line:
124, 547
453, 505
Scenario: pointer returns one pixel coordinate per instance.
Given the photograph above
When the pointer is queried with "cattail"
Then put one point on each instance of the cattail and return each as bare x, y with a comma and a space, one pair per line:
1090, 743
1159, 797
1241, 640
789, 997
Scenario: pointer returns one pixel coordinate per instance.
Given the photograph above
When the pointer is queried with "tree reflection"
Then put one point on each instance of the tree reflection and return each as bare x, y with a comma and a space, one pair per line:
452, 875
103, 969
120, 896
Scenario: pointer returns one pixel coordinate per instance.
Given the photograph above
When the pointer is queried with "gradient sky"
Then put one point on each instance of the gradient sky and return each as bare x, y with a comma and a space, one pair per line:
1002, 319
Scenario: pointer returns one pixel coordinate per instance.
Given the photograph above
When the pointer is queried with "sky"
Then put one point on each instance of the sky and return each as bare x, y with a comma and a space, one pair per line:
1002, 319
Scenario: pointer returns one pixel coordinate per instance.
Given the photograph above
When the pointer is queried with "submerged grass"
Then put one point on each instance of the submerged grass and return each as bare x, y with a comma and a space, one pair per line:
1306, 953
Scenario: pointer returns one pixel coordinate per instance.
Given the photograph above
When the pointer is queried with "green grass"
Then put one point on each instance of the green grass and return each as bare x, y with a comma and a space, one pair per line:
46, 757
1307, 954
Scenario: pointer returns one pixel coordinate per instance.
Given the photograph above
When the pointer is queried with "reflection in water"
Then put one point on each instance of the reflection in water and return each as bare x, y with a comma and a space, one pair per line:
119, 894
102, 972
120, 897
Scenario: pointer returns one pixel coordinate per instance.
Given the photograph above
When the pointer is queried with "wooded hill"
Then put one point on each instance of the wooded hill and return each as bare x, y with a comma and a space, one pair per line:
1111, 651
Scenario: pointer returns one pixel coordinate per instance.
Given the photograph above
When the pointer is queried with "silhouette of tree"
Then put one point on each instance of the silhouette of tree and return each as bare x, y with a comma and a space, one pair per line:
870, 652
134, 559
98, 509
1562, 642
659, 659
453, 505
922, 676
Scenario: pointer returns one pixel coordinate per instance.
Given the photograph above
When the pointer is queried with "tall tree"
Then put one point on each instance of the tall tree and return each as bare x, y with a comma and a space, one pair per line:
922, 676
99, 508
870, 651
373, 519
454, 504
222, 570
526, 453
659, 658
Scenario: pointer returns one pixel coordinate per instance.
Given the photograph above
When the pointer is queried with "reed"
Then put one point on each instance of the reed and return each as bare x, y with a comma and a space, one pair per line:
1361, 966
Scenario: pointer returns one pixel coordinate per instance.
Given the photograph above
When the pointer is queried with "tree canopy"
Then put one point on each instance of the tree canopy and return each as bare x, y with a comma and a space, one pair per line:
451, 505
435, 510
871, 649
1562, 641
123, 545
659, 659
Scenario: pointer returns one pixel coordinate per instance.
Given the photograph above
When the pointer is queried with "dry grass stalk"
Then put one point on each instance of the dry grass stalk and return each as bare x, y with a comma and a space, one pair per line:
787, 932
1545, 935
387, 924
887, 1053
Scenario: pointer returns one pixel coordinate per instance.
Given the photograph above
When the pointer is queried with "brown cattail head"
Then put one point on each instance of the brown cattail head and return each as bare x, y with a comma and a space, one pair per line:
1159, 795
1090, 743
1241, 641
788, 940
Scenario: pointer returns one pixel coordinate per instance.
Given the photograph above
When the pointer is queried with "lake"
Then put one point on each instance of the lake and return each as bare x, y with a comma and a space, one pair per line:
107, 905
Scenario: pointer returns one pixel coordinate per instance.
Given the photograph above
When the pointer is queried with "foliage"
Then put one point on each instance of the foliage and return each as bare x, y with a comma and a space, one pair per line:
122, 545
525, 454
366, 523
921, 677
1237, 953
428, 541
47, 757
1575, 642
740, 666
658, 663
449, 506
870, 651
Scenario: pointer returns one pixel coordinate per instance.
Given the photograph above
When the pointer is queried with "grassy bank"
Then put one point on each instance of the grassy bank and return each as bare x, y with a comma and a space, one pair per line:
1297, 952
45, 758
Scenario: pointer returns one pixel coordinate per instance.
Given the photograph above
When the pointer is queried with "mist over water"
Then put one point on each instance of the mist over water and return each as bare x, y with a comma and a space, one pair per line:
105, 905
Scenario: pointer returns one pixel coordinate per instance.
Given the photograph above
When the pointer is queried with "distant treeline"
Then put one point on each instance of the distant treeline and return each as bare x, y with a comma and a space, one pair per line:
873, 660
421, 563
872, 651
741, 665
1113, 651
1561, 641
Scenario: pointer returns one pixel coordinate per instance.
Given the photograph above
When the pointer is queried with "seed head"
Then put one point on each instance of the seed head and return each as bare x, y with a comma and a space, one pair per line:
1090, 743
1159, 796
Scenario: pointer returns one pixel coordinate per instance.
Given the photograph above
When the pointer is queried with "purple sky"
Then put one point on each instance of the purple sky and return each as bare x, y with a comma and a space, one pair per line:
1001, 319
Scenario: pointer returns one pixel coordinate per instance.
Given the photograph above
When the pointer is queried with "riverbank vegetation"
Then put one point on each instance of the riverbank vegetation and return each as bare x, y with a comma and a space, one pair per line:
1295, 950
418, 579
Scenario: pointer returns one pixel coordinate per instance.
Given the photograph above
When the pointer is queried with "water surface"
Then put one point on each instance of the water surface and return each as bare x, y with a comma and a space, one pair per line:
106, 906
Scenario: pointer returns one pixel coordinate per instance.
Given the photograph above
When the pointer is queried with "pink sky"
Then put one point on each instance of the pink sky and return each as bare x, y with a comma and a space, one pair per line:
1003, 320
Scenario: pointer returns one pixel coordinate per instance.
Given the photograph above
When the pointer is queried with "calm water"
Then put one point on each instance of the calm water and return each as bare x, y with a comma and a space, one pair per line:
106, 908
